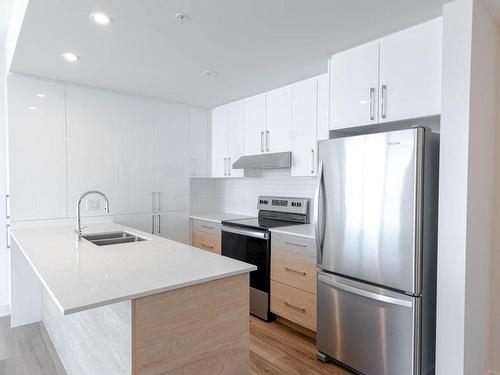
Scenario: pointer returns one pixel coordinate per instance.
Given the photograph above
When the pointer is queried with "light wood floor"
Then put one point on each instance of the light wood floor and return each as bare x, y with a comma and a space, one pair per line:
275, 349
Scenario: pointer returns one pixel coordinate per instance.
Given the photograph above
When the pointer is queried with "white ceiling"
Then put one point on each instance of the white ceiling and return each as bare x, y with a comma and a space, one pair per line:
254, 45
5, 9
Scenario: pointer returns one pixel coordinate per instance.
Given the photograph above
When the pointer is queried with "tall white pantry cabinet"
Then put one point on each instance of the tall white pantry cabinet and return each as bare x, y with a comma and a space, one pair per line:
65, 139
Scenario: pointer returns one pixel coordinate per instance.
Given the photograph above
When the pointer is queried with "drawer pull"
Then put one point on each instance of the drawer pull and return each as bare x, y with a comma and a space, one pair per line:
206, 226
296, 308
295, 244
294, 271
206, 246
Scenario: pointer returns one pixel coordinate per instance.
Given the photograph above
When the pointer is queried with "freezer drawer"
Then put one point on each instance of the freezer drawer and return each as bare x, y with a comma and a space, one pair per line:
369, 329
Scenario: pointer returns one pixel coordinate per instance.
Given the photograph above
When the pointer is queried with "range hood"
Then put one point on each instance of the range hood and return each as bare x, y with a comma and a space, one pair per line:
264, 161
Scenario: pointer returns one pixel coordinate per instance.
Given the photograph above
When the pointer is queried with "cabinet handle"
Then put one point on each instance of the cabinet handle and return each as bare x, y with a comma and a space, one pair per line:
296, 308
158, 200
153, 200
372, 103
261, 141
206, 226
229, 166
295, 244
206, 246
268, 137
312, 161
152, 224
291, 270
7, 206
159, 224
7, 235
383, 101
225, 166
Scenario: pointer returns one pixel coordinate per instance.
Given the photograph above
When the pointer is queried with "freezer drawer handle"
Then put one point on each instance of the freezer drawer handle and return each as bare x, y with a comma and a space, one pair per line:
245, 232
294, 271
296, 308
364, 293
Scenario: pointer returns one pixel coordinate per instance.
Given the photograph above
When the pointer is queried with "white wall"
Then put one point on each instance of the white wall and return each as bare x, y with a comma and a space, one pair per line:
239, 195
466, 189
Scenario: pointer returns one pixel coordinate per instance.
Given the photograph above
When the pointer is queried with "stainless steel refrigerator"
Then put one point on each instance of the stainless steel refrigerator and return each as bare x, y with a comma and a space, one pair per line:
376, 231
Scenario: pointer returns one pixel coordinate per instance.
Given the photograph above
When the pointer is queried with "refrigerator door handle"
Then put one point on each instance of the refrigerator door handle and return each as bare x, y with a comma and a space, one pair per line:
318, 222
365, 293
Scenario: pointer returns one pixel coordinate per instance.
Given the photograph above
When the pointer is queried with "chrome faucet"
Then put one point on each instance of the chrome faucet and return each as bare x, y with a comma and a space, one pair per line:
78, 229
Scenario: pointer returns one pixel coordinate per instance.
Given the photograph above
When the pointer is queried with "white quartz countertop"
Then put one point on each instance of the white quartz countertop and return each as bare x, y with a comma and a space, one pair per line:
218, 217
81, 276
301, 230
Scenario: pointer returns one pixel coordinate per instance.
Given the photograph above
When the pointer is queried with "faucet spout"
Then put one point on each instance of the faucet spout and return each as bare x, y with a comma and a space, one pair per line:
78, 229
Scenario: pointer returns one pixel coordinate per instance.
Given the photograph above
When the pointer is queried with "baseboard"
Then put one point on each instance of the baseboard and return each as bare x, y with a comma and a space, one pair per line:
4, 310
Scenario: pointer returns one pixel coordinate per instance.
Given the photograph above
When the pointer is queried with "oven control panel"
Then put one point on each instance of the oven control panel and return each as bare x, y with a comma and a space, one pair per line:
280, 204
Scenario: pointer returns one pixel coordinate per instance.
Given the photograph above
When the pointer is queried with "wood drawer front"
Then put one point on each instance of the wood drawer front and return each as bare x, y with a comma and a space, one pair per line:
206, 226
206, 241
294, 269
294, 304
295, 244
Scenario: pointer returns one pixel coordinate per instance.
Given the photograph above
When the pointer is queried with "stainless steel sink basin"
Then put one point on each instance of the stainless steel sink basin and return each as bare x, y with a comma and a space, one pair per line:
112, 238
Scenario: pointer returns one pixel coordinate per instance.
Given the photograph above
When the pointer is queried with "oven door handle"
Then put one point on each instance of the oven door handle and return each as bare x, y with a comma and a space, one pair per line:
246, 232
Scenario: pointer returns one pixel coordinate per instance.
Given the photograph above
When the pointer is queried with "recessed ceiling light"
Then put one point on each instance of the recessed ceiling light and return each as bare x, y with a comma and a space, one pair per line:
101, 18
71, 57
31, 107
182, 17
41, 95
210, 73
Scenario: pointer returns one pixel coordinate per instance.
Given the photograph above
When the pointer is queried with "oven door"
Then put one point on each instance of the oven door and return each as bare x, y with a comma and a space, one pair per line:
252, 246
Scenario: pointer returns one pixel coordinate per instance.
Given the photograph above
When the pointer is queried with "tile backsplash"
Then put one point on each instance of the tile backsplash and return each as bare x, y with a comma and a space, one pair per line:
239, 195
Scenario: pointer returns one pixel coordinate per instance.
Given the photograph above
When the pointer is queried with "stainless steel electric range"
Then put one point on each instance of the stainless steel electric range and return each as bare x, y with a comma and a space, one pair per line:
249, 240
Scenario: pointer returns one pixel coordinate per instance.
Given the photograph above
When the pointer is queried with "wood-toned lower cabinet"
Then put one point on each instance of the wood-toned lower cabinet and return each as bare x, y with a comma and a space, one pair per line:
206, 235
293, 279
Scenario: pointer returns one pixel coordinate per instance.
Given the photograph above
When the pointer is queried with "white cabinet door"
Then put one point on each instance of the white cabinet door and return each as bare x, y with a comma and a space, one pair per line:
278, 119
175, 226
142, 222
304, 121
323, 107
198, 142
37, 149
134, 154
236, 134
255, 124
410, 72
89, 119
171, 156
354, 86
219, 142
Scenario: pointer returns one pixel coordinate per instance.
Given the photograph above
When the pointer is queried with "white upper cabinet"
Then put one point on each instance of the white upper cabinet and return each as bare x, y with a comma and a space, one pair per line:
171, 157
219, 142
304, 127
37, 149
323, 107
255, 124
410, 72
236, 142
395, 78
89, 119
134, 154
198, 142
278, 120
174, 225
354, 83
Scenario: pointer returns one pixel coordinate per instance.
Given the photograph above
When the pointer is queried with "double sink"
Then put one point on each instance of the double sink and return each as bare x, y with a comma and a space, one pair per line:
112, 238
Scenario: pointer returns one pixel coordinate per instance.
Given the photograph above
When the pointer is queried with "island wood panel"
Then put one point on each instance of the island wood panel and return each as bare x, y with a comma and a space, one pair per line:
91, 342
206, 241
200, 329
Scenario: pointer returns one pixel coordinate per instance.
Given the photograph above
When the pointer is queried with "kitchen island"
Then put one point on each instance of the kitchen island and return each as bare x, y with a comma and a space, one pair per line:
149, 307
